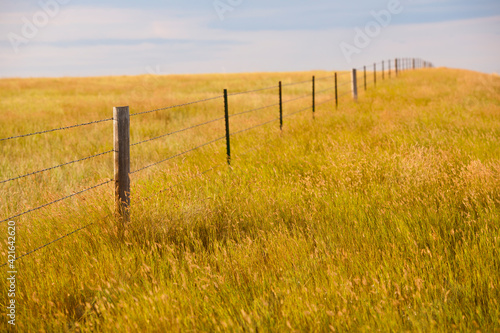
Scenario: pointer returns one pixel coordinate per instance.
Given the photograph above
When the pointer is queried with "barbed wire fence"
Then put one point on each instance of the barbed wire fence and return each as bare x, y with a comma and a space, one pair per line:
379, 72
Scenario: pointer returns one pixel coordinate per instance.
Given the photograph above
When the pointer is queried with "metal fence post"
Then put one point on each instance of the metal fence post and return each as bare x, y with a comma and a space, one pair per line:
281, 106
354, 85
226, 115
121, 131
314, 95
364, 71
336, 92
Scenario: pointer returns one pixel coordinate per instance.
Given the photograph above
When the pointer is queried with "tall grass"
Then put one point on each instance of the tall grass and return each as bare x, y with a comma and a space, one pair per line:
379, 216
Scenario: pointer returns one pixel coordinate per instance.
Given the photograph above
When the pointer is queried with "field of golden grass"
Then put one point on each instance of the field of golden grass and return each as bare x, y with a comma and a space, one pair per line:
382, 215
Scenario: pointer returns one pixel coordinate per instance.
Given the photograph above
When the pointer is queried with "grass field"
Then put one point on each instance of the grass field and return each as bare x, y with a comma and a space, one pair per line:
383, 215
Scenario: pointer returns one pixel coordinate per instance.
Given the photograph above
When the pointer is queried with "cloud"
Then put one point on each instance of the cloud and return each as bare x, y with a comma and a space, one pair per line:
105, 40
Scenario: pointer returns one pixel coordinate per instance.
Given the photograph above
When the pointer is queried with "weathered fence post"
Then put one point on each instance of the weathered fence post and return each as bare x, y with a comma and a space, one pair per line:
354, 85
389, 68
396, 67
336, 92
281, 106
121, 130
228, 136
413, 63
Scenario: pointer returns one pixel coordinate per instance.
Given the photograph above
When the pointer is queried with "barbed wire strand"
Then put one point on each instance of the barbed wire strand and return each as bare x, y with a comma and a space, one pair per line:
55, 167
56, 129
175, 132
176, 155
252, 91
56, 201
176, 106
48, 244
324, 102
296, 99
299, 111
327, 89
183, 182
296, 83
253, 127
258, 109
344, 94
325, 77
257, 147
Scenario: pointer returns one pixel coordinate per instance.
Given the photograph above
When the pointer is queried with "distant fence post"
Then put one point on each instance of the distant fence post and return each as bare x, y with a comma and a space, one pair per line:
314, 95
375, 74
413, 64
121, 131
389, 68
226, 116
383, 71
364, 71
354, 85
336, 92
396, 66
281, 106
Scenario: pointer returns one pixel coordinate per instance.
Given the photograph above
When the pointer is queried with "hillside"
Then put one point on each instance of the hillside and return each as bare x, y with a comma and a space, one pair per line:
381, 215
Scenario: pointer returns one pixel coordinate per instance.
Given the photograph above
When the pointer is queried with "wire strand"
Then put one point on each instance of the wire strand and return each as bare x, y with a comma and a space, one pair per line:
324, 102
296, 83
252, 91
250, 128
55, 167
299, 111
183, 182
175, 132
258, 109
56, 129
52, 242
176, 106
56, 201
327, 89
177, 155
296, 99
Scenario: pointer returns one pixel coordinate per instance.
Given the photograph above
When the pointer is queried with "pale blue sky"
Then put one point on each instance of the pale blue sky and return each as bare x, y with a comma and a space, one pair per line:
90, 38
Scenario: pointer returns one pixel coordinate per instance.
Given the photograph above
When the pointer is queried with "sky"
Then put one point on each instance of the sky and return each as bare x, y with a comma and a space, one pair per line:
55, 38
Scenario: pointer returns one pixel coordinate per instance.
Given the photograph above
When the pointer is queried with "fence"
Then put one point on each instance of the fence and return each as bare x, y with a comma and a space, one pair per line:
121, 125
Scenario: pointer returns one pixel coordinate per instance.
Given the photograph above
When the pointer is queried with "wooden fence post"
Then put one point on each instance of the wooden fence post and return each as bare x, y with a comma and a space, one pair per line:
354, 85
396, 67
121, 129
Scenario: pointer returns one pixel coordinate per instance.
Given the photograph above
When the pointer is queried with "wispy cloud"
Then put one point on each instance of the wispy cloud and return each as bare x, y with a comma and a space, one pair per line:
101, 39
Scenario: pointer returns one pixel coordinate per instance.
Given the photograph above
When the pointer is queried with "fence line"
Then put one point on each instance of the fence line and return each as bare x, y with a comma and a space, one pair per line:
56, 167
56, 129
399, 65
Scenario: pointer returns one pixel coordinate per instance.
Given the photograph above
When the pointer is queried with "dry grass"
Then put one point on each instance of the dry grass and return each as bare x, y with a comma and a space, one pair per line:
383, 215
